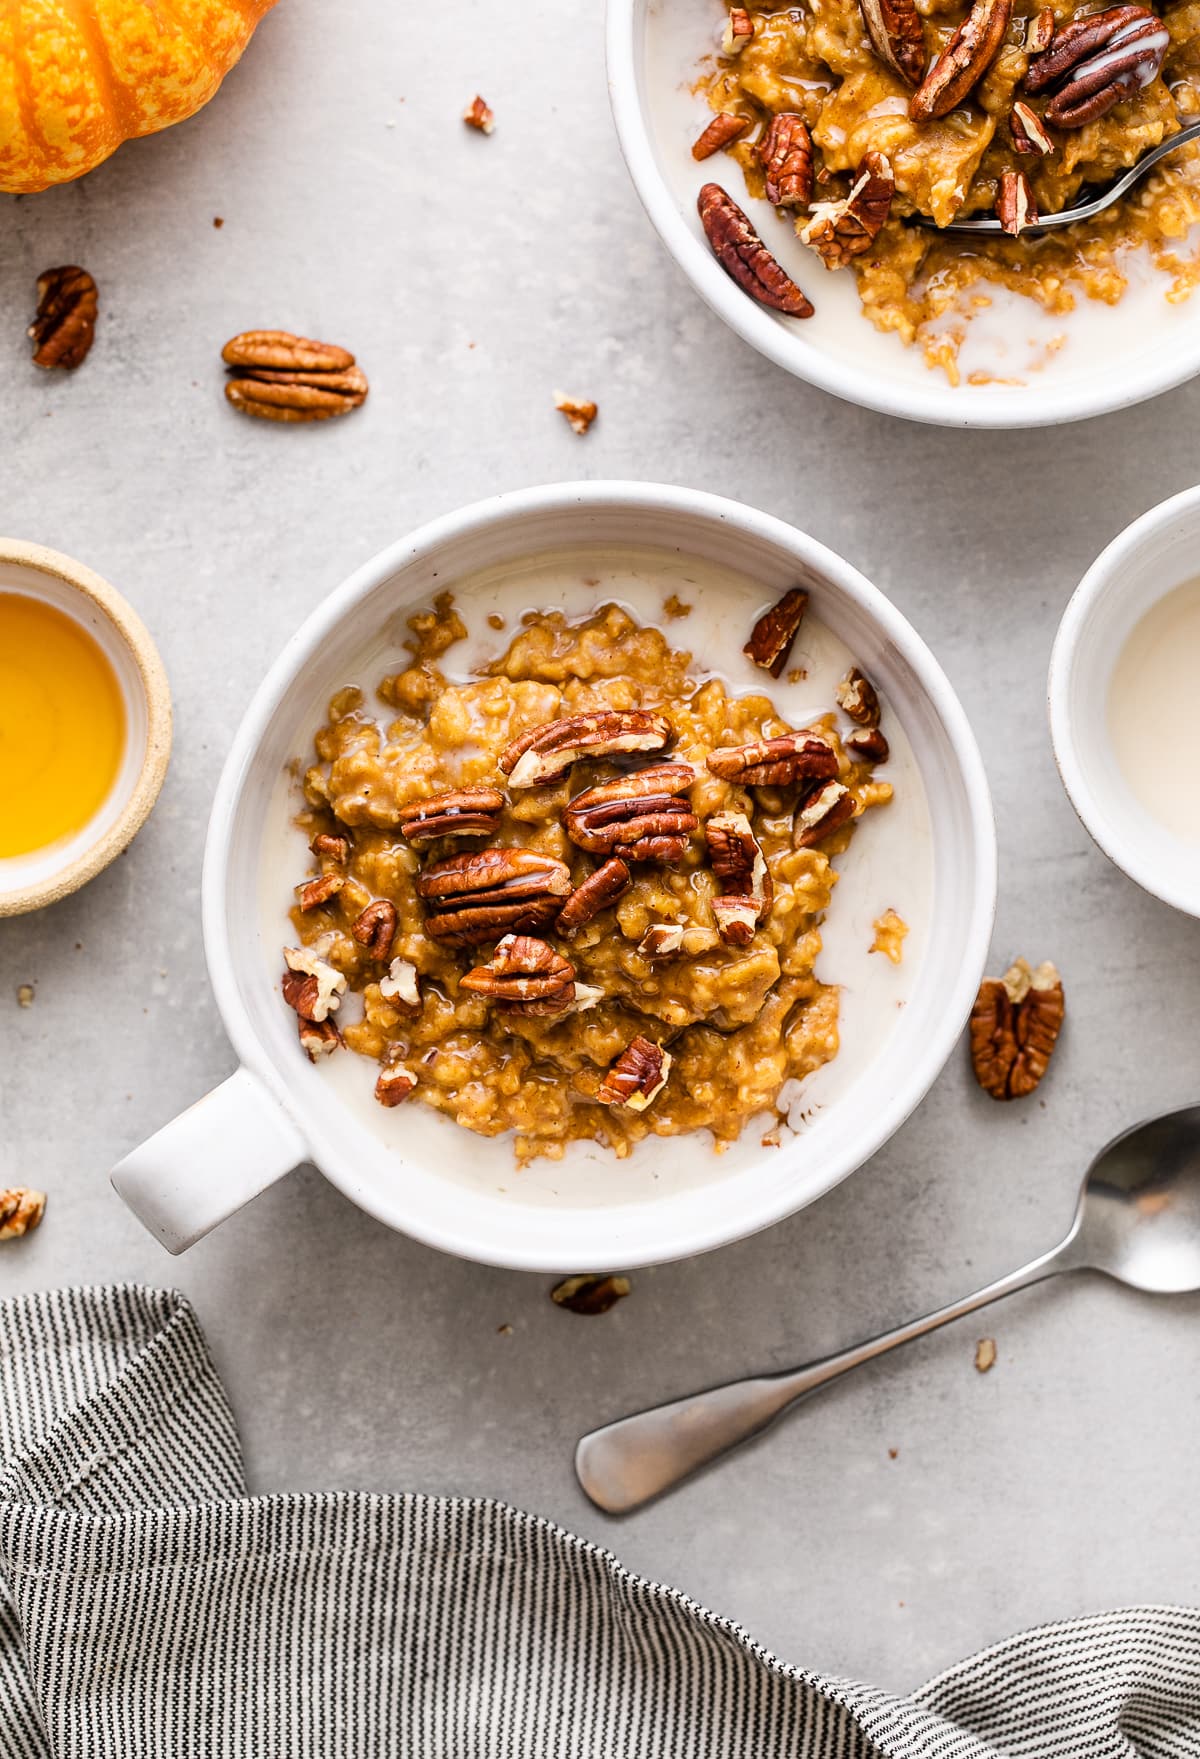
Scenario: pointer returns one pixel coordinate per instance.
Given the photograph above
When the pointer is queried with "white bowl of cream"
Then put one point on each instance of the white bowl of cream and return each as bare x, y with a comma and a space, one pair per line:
1124, 664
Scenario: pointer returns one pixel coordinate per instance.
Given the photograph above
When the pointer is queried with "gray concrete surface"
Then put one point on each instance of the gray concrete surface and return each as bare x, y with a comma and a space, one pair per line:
473, 276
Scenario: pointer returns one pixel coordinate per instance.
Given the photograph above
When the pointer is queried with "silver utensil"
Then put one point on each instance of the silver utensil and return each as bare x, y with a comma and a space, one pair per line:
1137, 1220
1084, 210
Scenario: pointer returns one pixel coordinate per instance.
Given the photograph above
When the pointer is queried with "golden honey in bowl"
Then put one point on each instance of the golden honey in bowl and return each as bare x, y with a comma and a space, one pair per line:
62, 725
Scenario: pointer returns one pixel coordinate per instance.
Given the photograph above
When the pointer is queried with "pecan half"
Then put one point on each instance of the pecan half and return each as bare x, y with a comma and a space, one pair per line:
771, 638
744, 257
375, 928
479, 116
291, 378
546, 753
336, 848
868, 745
64, 326
1039, 32
1015, 206
739, 30
737, 859
642, 817
395, 1085
1096, 60
857, 697
317, 1038
478, 897
841, 230
600, 889
21, 1209
821, 814
590, 1295
785, 153
894, 27
964, 60
315, 892
770, 763
310, 986
524, 976
459, 812
637, 1077
736, 918
1028, 134
724, 128
1014, 1027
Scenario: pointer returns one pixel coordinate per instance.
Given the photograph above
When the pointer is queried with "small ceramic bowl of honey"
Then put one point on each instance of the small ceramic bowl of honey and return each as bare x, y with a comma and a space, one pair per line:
85, 725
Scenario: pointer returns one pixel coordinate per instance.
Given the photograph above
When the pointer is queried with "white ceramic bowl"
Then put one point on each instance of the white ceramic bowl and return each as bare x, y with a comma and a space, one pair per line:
1112, 356
421, 1173
1156, 553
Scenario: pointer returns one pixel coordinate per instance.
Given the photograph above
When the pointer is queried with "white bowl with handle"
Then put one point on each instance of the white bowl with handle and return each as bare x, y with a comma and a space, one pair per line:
415, 1169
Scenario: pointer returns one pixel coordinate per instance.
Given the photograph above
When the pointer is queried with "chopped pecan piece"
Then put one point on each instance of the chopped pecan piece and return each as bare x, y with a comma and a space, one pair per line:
724, 128
64, 326
336, 848
291, 378
637, 1077
964, 60
580, 412
395, 1085
661, 939
868, 745
771, 638
823, 813
738, 860
739, 30
745, 258
1015, 206
891, 931
479, 897
1096, 60
1014, 1027
770, 763
894, 28
375, 928
479, 115
600, 889
459, 812
842, 230
400, 986
315, 892
1028, 134
524, 976
786, 155
642, 817
310, 986
590, 1295
545, 753
317, 1038
985, 1354
857, 697
736, 918
1039, 32
21, 1209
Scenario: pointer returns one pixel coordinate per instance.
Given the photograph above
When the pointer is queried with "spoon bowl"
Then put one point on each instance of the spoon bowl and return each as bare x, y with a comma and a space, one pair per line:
1139, 1211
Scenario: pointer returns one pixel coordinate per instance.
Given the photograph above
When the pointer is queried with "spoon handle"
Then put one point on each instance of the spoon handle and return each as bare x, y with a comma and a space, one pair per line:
636, 1458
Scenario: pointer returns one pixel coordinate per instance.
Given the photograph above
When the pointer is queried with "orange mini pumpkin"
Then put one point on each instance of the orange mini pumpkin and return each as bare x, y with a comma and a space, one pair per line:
78, 77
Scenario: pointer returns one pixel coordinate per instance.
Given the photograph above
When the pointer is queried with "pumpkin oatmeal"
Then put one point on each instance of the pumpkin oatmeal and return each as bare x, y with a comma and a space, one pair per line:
854, 117
580, 894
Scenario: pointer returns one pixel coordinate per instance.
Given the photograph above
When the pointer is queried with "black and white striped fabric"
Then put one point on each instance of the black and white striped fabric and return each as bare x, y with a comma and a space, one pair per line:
150, 1609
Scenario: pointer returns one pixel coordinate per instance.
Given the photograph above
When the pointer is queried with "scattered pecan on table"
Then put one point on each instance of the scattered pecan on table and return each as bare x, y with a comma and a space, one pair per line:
963, 62
897, 37
545, 753
579, 412
282, 377
745, 258
457, 812
641, 817
590, 1295
21, 1209
64, 326
771, 763
771, 638
843, 229
479, 116
479, 897
637, 1077
1015, 1025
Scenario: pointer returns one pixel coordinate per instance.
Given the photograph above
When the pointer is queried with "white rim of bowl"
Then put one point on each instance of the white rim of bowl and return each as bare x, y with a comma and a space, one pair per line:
511, 508
942, 406
1125, 855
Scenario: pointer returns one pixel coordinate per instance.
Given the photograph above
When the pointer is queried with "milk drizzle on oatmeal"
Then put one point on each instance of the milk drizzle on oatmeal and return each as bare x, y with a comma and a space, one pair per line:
724, 605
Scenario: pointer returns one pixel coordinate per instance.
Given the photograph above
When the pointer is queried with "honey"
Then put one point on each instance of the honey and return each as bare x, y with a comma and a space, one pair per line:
62, 725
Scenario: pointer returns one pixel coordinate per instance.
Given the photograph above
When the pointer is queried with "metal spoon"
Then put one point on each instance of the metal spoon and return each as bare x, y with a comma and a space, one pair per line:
1138, 1220
1084, 210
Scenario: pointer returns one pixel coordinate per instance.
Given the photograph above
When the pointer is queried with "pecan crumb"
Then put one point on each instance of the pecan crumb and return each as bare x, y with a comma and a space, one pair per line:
218, 222
890, 931
24, 995
21, 1209
1015, 1025
590, 1295
739, 30
580, 413
985, 1354
479, 115
674, 607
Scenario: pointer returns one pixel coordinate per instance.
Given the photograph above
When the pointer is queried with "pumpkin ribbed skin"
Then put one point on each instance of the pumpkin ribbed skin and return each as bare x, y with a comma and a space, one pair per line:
78, 77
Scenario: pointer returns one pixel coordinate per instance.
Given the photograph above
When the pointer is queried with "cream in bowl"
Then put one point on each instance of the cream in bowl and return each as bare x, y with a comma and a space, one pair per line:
573, 602
85, 725
1126, 655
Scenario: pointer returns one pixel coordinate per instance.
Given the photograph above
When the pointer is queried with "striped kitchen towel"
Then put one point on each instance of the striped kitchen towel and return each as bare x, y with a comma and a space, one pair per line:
150, 1609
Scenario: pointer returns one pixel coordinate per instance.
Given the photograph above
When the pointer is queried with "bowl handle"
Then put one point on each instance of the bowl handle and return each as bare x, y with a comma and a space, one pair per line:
209, 1161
